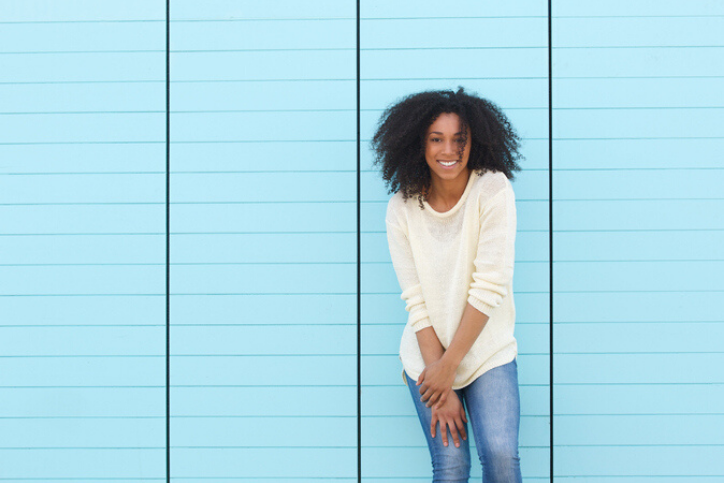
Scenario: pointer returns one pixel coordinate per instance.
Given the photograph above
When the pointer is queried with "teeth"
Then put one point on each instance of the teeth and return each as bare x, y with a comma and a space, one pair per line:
447, 164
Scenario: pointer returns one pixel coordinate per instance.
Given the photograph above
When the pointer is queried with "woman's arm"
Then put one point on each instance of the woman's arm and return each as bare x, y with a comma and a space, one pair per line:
439, 373
493, 272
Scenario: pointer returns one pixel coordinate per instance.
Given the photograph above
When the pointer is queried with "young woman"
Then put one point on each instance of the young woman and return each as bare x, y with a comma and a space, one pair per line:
453, 254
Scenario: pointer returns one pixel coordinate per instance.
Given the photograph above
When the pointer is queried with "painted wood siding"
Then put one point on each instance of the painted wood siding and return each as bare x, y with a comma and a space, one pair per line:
263, 250
501, 52
263, 236
638, 105
82, 243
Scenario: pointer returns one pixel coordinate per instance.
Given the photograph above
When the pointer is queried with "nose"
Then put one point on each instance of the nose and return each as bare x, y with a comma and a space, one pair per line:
449, 147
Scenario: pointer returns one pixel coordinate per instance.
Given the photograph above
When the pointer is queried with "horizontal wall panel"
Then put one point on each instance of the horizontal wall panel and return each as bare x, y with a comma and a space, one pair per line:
82, 128
453, 33
668, 276
268, 65
89, 249
613, 337
638, 123
73, 67
207, 402
263, 187
467, 8
66, 434
641, 368
319, 95
325, 462
635, 246
232, 10
292, 309
669, 94
657, 307
308, 34
626, 154
81, 341
83, 464
257, 370
266, 432
81, 158
263, 340
640, 430
84, 402
638, 32
82, 10
528, 62
83, 98
649, 461
111, 310
79, 370
625, 398
73, 36
83, 280
92, 188
637, 62
637, 214
281, 217
333, 278
265, 248
624, 8
263, 126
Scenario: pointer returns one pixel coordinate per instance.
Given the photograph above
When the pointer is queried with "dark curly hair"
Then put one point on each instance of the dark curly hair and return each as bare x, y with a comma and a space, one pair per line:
399, 142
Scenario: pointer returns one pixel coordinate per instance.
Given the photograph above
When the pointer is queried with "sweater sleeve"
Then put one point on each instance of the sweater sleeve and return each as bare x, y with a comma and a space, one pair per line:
404, 265
495, 254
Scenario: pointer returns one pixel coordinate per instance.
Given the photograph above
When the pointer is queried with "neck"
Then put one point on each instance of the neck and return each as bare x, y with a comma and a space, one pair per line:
448, 191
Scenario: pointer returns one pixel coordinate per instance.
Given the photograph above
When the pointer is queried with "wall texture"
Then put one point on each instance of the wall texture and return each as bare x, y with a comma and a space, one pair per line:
264, 289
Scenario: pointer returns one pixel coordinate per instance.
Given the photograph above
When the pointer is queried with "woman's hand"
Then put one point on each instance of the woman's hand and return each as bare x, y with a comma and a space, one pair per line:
450, 415
436, 380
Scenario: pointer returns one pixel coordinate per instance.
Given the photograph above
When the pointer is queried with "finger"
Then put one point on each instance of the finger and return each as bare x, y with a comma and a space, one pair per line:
461, 428
432, 426
443, 430
441, 401
454, 432
432, 399
420, 379
464, 416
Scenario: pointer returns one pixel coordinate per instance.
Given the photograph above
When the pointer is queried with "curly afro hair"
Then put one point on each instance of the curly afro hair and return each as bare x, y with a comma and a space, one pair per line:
399, 142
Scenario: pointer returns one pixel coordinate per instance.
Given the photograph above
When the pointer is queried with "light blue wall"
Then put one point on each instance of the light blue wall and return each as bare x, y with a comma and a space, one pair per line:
638, 110
263, 236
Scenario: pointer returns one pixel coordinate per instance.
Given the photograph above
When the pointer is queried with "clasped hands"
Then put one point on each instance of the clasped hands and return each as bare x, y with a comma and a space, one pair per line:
436, 382
436, 385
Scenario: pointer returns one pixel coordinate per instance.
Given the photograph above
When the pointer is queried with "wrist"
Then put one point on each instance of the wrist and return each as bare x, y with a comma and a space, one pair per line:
450, 360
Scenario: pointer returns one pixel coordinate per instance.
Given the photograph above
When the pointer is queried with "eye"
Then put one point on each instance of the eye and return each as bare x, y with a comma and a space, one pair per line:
434, 140
460, 141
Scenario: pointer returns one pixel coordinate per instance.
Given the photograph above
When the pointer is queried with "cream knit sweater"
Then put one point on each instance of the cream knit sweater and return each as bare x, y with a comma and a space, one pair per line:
444, 260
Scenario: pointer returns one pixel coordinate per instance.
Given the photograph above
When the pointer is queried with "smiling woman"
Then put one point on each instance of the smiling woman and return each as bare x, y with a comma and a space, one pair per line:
453, 257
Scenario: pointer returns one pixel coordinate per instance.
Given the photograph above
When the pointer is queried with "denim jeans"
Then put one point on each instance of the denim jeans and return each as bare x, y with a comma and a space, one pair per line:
492, 404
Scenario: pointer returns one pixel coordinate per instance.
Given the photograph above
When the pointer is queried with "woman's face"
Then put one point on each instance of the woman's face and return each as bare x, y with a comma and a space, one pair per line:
443, 143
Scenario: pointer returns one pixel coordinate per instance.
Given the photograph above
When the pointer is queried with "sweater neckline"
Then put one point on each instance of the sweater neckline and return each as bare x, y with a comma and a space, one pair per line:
461, 201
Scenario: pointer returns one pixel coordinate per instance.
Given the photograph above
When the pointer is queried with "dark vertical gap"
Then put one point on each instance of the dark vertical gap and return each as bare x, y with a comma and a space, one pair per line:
168, 247
550, 219
359, 265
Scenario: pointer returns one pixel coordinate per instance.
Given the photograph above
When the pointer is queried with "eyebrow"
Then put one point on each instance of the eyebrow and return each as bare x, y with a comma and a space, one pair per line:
438, 132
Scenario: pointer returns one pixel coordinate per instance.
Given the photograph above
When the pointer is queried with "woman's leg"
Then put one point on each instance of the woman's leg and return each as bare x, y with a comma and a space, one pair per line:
493, 405
449, 464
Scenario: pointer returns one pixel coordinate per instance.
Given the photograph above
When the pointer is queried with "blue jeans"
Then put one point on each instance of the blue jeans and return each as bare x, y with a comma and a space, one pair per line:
492, 404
